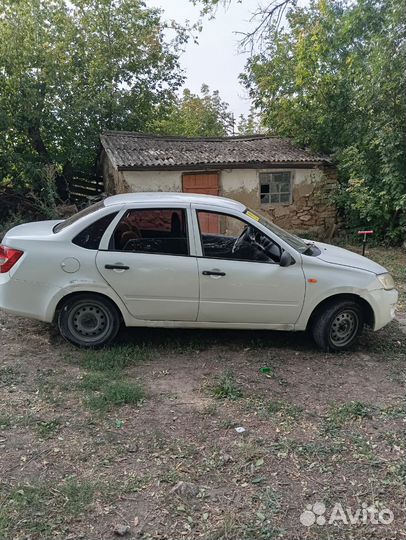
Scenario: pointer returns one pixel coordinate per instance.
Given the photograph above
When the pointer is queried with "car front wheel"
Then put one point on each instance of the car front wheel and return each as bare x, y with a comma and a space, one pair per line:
89, 320
337, 326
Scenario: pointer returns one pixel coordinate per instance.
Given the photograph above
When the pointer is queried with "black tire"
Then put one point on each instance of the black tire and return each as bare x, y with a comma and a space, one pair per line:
89, 320
337, 325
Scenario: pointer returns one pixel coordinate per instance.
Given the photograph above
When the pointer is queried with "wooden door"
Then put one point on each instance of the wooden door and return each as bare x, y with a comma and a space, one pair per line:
206, 184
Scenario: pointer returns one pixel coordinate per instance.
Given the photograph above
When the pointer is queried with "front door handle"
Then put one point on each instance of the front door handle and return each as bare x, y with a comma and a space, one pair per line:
213, 273
116, 267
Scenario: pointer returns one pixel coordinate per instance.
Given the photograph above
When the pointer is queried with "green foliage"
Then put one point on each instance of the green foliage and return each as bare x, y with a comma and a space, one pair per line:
334, 80
71, 69
226, 386
197, 116
48, 429
250, 124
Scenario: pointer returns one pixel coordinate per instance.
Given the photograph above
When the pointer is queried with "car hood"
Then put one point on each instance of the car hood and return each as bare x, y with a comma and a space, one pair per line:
343, 257
31, 230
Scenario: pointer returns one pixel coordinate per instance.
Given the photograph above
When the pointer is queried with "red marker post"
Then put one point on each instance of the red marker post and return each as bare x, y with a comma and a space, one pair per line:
364, 240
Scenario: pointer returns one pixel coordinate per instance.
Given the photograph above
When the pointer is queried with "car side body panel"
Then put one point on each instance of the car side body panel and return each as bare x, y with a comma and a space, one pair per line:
52, 267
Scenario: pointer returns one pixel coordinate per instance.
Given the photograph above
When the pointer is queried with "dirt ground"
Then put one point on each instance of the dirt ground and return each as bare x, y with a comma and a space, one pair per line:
142, 437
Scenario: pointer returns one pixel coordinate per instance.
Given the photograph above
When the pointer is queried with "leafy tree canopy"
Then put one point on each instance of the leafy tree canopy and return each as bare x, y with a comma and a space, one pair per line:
197, 116
332, 78
70, 69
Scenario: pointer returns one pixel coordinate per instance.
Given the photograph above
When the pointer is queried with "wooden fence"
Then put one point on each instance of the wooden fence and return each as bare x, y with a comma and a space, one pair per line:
82, 188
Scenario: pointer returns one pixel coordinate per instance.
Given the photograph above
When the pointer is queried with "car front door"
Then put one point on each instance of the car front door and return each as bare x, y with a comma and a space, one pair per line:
241, 280
147, 262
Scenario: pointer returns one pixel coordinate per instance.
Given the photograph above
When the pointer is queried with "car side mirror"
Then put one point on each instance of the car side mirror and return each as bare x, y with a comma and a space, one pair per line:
286, 259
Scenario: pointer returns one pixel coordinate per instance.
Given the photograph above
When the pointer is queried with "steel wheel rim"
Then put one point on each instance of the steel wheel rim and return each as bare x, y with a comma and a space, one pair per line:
89, 322
344, 327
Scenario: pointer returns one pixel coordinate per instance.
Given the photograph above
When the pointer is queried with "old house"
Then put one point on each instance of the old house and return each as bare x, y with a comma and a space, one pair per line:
271, 174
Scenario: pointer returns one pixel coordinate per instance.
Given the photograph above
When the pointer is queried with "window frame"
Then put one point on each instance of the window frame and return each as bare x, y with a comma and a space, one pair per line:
113, 226
272, 172
108, 214
228, 214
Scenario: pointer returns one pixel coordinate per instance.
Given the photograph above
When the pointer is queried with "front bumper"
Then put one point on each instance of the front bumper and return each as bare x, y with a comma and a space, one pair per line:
383, 303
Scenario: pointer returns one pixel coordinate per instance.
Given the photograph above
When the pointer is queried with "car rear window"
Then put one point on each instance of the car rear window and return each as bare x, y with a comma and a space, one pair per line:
90, 237
72, 219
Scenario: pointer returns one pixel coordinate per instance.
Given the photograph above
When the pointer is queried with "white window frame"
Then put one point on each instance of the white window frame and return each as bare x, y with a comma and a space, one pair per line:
271, 172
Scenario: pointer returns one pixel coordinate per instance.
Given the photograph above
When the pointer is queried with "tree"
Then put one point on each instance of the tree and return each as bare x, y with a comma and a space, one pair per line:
197, 116
71, 69
334, 80
266, 17
250, 124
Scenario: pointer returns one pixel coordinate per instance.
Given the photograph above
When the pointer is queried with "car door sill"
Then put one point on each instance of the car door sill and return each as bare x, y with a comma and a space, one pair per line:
200, 324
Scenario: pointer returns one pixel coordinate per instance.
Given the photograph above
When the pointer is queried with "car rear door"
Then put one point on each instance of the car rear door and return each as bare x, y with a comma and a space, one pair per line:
240, 287
148, 261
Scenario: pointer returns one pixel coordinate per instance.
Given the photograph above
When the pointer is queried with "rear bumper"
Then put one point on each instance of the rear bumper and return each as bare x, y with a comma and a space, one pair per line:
25, 298
384, 304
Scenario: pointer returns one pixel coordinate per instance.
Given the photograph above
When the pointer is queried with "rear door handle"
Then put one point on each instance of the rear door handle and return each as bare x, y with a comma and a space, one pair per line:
213, 273
116, 267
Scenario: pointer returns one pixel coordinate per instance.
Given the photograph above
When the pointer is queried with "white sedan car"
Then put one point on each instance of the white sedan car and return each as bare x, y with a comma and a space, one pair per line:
190, 261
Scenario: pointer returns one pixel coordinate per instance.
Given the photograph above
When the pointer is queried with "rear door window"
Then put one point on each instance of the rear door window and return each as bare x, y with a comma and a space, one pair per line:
152, 230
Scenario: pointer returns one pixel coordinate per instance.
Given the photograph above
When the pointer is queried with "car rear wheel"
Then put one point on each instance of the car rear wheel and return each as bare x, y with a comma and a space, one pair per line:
89, 320
337, 326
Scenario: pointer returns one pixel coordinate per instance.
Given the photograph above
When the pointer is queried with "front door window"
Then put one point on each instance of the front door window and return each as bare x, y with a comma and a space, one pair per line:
235, 240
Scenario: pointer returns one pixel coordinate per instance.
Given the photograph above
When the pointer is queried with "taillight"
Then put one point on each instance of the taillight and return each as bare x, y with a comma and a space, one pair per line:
8, 258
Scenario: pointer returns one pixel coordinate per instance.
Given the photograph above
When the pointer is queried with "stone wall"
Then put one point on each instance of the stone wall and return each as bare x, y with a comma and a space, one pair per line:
114, 180
311, 209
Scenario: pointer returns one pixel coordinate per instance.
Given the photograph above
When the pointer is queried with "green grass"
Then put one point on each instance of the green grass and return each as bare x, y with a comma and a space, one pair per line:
284, 409
9, 375
269, 501
394, 411
35, 510
113, 359
104, 383
310, 450
340, 414
94, 380
77, 495
116, 393
6, 421
226, 386
47, 429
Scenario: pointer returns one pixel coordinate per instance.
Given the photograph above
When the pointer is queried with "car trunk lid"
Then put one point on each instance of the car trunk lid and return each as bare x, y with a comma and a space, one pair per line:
32, 230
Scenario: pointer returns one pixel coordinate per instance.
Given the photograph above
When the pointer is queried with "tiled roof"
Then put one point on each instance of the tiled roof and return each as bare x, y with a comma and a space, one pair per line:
135, 151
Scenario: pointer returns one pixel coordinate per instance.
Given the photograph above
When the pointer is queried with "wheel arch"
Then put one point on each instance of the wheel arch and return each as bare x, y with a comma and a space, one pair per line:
366, 307
80, 293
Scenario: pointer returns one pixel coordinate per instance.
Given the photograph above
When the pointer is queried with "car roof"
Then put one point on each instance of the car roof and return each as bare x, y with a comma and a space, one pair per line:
159, 197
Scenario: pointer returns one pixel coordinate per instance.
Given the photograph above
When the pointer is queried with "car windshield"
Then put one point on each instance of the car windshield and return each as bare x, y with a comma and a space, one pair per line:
294, 241
72, 219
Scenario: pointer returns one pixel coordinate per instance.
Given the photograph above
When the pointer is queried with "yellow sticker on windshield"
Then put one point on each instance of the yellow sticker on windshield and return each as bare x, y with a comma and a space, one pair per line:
252, 215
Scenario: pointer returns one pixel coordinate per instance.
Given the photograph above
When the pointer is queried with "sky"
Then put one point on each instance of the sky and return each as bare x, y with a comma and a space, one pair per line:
215, 60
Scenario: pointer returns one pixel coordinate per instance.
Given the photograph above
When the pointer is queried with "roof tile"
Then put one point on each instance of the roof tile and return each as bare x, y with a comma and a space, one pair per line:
131, 150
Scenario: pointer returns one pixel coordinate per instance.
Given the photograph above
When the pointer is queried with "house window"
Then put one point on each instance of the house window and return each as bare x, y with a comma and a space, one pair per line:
276, 187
